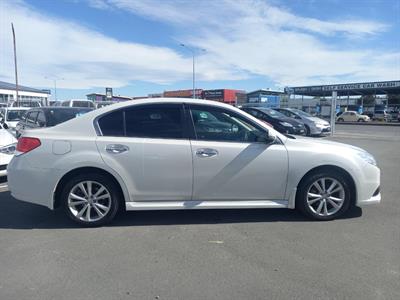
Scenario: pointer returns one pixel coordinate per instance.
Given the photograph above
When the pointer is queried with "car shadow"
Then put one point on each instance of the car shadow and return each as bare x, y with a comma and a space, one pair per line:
16, 214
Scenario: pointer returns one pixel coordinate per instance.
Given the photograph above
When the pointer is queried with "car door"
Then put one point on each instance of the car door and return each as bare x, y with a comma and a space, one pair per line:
229, 163
148, 147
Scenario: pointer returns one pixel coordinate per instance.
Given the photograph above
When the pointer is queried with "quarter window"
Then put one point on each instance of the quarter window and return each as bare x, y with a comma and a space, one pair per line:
112, 124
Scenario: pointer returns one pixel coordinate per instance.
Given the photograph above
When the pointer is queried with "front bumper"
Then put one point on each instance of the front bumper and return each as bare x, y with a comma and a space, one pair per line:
321, 130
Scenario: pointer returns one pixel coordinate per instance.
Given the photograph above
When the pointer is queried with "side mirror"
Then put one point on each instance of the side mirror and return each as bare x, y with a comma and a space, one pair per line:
5, 126
264, 137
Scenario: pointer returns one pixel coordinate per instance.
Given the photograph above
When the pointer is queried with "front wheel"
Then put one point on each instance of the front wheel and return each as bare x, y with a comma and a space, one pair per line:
324, 196
340, 120
90, 199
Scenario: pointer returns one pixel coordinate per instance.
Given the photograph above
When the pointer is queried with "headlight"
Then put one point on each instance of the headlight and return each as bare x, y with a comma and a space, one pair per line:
320, 124
367, 157
9, 149
286, 124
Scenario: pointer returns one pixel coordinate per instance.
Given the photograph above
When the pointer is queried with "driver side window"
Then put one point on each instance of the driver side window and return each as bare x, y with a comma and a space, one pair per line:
215, 124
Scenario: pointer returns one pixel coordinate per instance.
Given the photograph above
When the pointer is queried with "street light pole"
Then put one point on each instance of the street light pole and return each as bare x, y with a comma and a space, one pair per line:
55, 85
15, 64
193, 51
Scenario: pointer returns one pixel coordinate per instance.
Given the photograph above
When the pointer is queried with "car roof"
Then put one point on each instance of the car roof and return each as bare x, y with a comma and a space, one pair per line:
79, 125
17, 108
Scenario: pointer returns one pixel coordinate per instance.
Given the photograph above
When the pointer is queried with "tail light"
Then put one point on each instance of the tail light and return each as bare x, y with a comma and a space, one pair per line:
26, 144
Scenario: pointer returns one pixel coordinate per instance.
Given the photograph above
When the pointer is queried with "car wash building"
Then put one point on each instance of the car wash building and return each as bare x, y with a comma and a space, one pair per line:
362, 97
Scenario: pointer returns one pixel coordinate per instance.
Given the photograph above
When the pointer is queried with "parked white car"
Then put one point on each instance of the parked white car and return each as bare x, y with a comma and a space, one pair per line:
352, 116
10, 116
8, 145
76, 103
185, 154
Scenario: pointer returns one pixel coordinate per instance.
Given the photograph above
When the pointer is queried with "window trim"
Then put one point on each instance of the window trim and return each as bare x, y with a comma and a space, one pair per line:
185, 135
196, 106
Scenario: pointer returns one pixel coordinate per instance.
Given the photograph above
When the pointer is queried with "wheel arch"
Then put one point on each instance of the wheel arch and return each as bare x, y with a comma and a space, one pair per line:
322, 168
81, 170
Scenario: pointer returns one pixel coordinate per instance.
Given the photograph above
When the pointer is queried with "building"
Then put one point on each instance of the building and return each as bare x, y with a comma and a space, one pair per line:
96, 97
234, 97
363, 96
183, 93
8, 94
267, 98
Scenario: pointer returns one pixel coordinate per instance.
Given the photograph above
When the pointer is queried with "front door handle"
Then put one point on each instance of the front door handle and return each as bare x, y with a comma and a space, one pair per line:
116, 148
206, 152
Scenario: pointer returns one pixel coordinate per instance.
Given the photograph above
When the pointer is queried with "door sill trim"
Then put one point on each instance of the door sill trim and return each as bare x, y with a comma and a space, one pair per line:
213, 204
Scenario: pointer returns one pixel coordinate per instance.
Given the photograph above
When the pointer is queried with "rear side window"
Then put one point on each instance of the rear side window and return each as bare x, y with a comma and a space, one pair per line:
152, 121
41, 119
31, 117
112, 124
65, 103
155, 121
81, 104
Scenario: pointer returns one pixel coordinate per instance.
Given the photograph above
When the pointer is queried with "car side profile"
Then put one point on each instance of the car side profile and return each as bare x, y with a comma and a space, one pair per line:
279, 121
352, 116
168, 153
314, 126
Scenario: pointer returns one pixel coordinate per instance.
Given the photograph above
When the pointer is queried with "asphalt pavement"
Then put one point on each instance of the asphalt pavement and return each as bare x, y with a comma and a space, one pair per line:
211, 254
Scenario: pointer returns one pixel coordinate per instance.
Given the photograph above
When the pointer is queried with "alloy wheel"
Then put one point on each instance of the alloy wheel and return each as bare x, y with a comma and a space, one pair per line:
89, 201
325, 196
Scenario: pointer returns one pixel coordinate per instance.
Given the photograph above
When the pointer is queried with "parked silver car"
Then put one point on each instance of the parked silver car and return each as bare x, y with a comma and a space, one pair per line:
313, 125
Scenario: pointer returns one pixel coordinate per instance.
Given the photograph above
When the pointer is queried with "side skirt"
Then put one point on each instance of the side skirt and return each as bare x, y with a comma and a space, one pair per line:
220, 204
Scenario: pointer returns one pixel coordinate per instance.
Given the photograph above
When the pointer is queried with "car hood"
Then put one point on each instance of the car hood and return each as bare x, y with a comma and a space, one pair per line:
291, 121
313, 142
6, 138
317, 120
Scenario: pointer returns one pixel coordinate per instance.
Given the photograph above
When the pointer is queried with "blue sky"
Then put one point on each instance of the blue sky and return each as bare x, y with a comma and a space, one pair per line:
133, 45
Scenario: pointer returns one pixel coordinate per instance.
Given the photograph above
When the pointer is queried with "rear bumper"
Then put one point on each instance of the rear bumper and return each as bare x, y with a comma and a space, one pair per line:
30, 184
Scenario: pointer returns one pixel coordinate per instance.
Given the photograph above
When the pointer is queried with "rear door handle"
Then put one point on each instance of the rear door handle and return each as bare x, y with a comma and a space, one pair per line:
116, 148
206, 152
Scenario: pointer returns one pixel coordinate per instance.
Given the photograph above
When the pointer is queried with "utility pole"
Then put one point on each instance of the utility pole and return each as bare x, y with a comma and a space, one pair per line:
193, 51
15, 63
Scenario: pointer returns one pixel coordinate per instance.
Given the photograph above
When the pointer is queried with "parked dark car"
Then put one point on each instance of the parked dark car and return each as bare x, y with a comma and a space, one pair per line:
40, 117
279, 121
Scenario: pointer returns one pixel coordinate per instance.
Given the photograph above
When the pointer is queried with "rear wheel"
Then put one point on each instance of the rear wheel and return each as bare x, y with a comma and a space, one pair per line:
90, 199
324, 195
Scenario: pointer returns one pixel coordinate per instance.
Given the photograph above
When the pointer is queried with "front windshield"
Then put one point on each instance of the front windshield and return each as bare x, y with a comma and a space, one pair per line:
15, 115
301, 113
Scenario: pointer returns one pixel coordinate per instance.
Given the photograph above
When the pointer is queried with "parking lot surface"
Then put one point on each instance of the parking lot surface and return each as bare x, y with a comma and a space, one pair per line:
211, 254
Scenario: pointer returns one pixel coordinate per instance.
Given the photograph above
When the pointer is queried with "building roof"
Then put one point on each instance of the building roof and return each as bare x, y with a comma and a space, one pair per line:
267, 92
11, 86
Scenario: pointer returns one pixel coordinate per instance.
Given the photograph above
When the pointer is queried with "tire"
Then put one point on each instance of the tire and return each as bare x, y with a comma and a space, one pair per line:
340, 120
308, 131
107, 201
311, 207
360, 120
